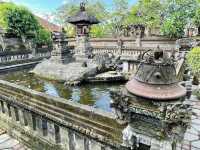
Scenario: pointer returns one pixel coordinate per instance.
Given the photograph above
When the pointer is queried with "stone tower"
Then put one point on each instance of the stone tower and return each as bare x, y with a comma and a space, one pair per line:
82, 21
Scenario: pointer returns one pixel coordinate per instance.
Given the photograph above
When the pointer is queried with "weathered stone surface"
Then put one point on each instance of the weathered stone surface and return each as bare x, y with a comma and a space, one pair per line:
71, 72
6, 142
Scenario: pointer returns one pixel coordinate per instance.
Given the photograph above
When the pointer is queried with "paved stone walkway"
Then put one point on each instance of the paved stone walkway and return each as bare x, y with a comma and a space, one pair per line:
192, 135
8, 143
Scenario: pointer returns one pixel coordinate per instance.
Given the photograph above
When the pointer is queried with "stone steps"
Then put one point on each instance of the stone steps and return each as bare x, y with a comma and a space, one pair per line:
8, 143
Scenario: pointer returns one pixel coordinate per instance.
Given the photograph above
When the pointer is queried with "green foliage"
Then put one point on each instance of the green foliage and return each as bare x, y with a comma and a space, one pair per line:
176, 16
21, 22
43, 36
193, 58
4, 8
196, 18
173, 27
197, 93
150, 11
171, 15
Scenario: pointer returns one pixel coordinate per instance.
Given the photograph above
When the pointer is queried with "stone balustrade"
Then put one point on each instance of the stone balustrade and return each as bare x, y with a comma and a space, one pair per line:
7, 57
125, 51
39, 120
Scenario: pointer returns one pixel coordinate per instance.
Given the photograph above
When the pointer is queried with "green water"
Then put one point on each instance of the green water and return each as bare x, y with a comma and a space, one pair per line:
95, 95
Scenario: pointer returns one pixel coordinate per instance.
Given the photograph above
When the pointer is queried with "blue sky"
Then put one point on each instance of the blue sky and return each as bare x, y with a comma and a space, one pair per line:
50, 5
46, 8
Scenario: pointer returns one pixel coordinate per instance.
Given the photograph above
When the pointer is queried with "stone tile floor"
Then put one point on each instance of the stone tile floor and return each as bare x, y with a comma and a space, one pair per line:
192, 136
8, 143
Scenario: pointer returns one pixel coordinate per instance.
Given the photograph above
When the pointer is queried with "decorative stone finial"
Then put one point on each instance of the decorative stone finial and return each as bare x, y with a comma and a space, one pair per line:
82, 6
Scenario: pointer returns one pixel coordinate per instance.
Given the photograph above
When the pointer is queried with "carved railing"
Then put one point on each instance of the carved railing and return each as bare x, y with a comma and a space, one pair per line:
124, 51
44, 122
12, 56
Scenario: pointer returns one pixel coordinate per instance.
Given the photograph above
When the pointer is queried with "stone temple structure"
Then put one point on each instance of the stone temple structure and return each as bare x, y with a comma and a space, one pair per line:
80, 64
59, 48
153, 105
82, 20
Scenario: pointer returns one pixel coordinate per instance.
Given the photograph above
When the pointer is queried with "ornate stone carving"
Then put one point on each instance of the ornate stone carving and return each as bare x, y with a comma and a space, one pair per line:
178, 113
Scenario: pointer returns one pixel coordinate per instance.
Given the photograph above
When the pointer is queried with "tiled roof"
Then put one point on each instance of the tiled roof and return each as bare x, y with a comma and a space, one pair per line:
48, 25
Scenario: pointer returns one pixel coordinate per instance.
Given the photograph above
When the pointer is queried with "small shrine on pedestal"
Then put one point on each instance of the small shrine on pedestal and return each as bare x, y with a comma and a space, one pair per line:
60, 48
138, 33
82, 21
153, 104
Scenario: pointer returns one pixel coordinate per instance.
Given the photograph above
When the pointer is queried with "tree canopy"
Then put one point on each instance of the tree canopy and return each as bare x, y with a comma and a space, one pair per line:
114, 17
171, 16
177, 14
21, 22
193, 58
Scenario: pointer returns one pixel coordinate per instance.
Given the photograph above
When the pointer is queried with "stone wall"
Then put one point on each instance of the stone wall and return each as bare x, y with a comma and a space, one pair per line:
7, 58
44, 122
164, 43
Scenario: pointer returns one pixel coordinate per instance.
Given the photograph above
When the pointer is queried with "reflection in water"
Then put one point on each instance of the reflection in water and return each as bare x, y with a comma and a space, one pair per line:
50, 89
97, 96
103, 98
76, 92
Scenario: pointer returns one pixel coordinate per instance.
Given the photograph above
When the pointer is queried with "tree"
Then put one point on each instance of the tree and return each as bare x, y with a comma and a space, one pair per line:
193, 59
196, 18
150, 13
43, 36
21, 22
118, 17
177, 14
173, 27
4, 8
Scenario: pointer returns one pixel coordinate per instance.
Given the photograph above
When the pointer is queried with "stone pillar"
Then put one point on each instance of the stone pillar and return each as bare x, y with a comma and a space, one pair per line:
63, 134
56, 54
16, 112
2, 43
139, 34
9, 110
57, 134
30, 45
39, 125
87, 144
120, 46
13, 113
83, 50
125, 66
59, 46
44, 127
72, 140
2, 107
138, 41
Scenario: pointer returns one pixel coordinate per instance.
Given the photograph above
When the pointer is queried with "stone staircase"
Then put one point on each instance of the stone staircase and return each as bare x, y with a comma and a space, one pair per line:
8, 143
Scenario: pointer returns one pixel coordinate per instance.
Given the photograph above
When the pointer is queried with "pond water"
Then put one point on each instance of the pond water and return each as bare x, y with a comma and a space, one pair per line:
95, 95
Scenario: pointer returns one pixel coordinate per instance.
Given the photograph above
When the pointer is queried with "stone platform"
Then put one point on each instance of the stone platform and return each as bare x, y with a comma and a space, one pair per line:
73, 72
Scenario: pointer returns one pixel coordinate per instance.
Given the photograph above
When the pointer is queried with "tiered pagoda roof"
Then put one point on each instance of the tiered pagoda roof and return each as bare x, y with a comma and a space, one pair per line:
83, 17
